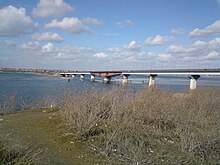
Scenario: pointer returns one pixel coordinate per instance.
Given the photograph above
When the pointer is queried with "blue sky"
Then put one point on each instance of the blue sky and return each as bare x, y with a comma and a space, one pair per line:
110, 34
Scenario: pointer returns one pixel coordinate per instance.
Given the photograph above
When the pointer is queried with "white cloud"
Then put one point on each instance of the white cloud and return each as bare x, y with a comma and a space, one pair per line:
133, 46
177, 31
199, 43
8, 43
212, 55
126, 55
142, 56
198, 51
164, 57
14, 22
37, 48
175, 49
157, 40
53, 8
56, 53
50, 37
31, 45
100, 55
48, 48
113, 50
72, 52
125, 23
198, 54
72, 25
92, 21
213, 29
76, 50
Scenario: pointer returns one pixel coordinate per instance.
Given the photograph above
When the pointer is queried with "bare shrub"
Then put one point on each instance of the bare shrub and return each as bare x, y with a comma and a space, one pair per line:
152, 127
46, 102
8, 104
86, 110
11, 103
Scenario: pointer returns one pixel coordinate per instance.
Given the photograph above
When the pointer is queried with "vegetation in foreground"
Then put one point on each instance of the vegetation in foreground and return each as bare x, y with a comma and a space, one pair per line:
126, 127
15, 155
151, 127
37, 137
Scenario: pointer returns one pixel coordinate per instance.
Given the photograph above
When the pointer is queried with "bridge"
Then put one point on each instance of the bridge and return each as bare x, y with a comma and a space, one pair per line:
192, 74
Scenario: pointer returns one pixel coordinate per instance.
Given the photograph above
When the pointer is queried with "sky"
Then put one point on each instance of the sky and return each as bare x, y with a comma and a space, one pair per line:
110, 34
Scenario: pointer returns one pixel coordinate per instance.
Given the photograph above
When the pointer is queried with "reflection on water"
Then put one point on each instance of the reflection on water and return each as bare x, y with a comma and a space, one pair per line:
31, 86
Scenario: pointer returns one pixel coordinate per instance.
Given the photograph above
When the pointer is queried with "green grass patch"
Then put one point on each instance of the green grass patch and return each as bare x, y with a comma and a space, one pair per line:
42, 130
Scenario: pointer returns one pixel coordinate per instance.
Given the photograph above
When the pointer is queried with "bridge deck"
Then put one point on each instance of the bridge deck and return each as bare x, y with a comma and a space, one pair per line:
210, 72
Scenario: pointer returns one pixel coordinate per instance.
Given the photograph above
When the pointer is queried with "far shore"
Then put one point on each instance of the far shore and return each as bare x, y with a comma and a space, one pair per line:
31, 72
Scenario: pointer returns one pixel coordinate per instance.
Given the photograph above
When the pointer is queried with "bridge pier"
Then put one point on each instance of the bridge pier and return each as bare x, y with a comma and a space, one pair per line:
152, 80
92, 78
106, 80
82, 76
125, 78
193, 81
73, 75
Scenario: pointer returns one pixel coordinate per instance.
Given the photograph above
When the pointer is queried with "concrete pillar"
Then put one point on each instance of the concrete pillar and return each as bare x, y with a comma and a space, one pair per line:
125, 78
106, 80
82, 77
92, 78
193, 81
152, 81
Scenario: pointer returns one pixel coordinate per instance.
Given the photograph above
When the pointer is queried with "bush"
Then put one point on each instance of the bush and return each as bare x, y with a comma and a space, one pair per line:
9, 104
150, 127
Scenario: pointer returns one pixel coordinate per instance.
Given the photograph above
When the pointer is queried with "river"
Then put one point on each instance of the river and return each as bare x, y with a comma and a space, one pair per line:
31, 86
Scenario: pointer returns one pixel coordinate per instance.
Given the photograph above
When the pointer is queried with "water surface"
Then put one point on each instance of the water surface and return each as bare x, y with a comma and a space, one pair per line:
32, 86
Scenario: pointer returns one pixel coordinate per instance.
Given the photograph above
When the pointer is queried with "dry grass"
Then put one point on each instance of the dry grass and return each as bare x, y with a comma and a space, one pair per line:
17, 155
152, 127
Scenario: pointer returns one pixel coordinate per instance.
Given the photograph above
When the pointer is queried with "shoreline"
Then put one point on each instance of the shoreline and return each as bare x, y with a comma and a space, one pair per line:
36, 73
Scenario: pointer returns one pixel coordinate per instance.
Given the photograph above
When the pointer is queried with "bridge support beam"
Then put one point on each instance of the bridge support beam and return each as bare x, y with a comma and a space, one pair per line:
82, 76
193, 81
152, 80
125, 78
92, 78
106, 80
